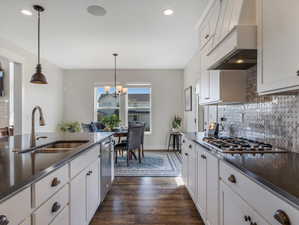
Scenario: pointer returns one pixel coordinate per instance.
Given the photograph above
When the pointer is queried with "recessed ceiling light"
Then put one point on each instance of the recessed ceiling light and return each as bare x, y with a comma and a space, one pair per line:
96, 10
168, 12
26, 12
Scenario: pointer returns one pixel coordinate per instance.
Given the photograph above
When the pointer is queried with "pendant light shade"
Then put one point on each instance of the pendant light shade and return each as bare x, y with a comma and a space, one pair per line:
38, 77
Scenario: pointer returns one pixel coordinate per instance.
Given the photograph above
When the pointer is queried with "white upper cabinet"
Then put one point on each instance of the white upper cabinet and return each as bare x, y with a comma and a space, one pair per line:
227, 86
208, 27
278, 46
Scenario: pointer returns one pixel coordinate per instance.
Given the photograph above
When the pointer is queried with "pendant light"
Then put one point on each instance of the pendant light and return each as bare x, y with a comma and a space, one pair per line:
38, 77
118, 89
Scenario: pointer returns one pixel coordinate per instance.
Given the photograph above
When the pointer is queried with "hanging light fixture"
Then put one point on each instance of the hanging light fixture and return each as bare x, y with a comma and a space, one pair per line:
119, 90
38, 77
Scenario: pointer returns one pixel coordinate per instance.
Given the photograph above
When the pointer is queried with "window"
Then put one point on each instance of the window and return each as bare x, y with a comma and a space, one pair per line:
135, 106
139, 106
106, 103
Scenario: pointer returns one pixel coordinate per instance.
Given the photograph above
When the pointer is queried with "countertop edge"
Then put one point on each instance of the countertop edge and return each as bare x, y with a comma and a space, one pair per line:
278, 192
22, 186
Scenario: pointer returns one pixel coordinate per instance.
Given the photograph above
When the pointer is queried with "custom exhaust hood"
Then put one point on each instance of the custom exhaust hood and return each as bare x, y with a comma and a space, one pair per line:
237, 49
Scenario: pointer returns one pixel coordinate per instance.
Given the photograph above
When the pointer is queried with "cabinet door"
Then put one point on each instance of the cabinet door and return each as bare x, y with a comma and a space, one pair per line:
234, 210
192, 175
278, 45
202, 183
92, 191
214, 85
205, 86
185, 158
78, 199
212, 190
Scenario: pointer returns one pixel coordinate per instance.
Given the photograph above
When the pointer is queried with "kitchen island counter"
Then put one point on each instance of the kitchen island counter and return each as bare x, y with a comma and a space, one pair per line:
19, 170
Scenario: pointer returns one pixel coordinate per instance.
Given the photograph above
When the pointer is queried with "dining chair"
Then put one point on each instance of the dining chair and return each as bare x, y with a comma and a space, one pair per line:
142, 135
133, 142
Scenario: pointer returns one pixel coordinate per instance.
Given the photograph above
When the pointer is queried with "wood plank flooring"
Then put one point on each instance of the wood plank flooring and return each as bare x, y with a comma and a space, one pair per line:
147, 201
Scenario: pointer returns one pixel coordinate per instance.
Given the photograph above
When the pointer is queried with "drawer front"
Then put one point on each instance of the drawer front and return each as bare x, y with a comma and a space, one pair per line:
45, 188
80, 163
20, 203
262, 200
62, 218
50, 209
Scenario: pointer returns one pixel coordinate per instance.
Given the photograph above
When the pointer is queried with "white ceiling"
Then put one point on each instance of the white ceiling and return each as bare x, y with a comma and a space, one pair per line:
136, 29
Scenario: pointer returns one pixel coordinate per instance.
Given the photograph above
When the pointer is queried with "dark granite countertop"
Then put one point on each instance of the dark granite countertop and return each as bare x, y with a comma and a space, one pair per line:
19, 170
278, 172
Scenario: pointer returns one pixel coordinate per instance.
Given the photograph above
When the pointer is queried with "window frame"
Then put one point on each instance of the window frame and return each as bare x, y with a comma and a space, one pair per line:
126, 105
150, 106
95, 112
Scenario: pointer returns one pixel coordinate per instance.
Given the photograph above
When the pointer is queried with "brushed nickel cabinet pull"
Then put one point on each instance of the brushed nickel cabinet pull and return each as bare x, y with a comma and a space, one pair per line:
55, 182
56, 206
232, 179
203, 156
282, 217
3, 220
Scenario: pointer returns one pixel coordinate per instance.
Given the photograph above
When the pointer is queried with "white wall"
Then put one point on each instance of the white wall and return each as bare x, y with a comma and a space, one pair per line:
167, 97
191, 78
49, 97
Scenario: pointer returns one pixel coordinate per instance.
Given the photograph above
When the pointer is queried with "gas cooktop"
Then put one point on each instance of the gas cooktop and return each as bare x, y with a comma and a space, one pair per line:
240, 145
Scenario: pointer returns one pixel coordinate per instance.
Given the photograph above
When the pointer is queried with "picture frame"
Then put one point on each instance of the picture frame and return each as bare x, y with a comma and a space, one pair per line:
188, 99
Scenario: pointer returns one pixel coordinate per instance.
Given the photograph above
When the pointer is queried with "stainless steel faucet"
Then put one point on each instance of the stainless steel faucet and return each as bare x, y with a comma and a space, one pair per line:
41, 123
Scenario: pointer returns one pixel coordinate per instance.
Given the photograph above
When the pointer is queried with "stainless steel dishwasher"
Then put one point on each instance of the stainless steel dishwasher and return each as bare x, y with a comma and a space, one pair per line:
106, 166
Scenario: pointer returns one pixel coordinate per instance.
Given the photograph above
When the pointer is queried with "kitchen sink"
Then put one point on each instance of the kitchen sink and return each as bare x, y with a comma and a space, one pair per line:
58, 146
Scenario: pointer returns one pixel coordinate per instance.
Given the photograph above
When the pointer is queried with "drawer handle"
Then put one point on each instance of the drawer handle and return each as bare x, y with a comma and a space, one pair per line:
207, 36
186, 154
183, 141
282, 217
297, 72
3, 220
203, 156
190, 146
56, 206
253, 223
247, 218
232, 179
55, 182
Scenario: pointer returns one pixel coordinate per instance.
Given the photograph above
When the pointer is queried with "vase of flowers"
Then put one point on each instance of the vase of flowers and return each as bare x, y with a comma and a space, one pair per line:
176, 123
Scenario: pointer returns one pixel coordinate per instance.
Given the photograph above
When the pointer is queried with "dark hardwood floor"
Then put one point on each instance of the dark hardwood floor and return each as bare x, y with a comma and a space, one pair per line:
146, 201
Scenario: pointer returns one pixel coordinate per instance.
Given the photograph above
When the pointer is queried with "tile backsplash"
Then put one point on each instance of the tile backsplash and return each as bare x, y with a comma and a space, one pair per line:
272, 119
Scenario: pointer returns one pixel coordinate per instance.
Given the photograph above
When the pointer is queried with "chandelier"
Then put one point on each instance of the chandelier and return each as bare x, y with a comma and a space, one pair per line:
118, 89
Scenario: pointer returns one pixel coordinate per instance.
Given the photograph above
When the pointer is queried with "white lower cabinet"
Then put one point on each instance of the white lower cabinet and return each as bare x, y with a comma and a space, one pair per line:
62, 218
78, 199
192, 171
185, 160
92, 191
235, 211
50, 209
208, 186
201, 201
17, 208
84, 195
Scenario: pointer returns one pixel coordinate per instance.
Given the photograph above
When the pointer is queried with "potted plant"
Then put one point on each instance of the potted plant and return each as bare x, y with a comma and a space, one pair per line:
111, 122
176, 123
71, 127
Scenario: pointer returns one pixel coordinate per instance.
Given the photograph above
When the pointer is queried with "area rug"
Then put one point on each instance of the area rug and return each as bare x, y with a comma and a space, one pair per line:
154, 164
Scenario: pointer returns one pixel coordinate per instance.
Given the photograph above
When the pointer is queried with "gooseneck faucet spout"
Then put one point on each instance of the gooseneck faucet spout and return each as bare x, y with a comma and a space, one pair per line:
41, 123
